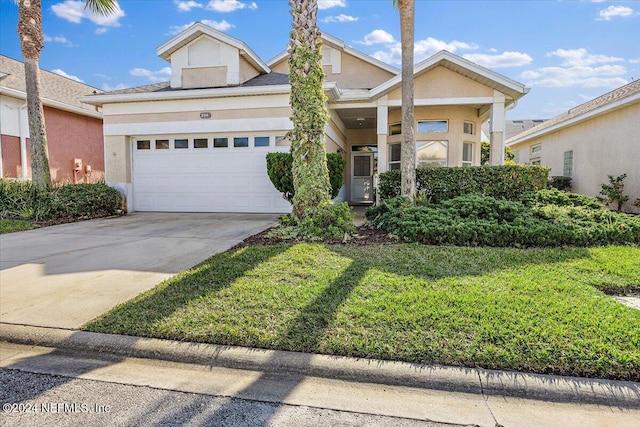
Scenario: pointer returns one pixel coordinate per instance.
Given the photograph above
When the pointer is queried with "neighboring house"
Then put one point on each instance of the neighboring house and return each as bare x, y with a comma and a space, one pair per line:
198, 142
74, 129
598, 138
511, 127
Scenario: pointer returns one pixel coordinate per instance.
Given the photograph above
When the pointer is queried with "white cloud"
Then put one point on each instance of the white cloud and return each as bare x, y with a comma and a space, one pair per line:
58, 39
74, 11
580, 57
615, 11
328, 4
505, 59
340, 18
63, 74
101, 30
220, 26
377, 37
422, 48
579, 76
187, 5
108, 88
225, 6
634, 61
153, 76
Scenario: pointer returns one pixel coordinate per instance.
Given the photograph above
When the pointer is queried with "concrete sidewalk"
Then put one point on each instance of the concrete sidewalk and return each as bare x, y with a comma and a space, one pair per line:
426, 392
66, 275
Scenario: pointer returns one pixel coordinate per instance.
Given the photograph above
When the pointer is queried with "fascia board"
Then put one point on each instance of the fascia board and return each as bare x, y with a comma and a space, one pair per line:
53, 103
186, 94
577, 119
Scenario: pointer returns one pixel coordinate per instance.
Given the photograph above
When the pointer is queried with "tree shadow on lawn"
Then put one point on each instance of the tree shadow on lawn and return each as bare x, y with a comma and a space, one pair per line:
306, 329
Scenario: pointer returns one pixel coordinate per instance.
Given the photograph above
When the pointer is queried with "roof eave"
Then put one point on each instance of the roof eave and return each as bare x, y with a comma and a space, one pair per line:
185, 94
53, 103
577, 119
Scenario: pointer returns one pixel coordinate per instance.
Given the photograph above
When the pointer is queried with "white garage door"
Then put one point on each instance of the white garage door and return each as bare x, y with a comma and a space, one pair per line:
205, 174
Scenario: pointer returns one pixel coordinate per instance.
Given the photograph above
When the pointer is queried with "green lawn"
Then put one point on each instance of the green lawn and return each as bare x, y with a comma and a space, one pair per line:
536, 310
13, 225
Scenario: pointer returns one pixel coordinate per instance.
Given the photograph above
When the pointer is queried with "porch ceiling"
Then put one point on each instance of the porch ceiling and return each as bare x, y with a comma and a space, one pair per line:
358, 118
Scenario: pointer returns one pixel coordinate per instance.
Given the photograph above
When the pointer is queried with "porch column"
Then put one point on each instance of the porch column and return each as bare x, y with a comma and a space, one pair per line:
496, 132
23, 118
383, 124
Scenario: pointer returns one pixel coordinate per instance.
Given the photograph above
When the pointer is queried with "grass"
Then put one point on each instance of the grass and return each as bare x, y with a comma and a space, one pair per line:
535, 310
13, 225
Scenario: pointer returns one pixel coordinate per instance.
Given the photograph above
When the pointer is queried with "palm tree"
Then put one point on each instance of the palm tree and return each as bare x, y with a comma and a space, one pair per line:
309, 110
31, 43
408, 145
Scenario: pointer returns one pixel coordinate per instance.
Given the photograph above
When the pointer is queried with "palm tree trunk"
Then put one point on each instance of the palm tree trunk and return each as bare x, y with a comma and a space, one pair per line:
32, 42
309, 110
408, 145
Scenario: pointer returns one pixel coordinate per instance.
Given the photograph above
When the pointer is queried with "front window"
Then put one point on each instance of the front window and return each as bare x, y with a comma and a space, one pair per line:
467, 154
429, 126
395, 129
535, 149
469, 128
431, 154
394, 156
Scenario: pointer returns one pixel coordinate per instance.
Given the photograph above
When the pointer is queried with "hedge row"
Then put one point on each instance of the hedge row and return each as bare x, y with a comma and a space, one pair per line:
22, 200
544, 218
439, 184
279, 171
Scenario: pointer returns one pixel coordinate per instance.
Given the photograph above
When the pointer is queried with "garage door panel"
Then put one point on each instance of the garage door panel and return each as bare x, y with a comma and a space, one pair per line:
207, 180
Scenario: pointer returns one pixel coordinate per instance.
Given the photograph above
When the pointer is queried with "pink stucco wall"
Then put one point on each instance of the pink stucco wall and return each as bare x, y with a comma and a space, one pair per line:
69, 136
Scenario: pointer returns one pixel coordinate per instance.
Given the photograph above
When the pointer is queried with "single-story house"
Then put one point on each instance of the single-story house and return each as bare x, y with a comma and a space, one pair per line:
74, 129
198, 142
598, 138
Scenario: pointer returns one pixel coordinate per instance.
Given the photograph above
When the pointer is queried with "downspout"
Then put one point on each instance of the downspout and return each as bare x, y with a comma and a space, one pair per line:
23, 139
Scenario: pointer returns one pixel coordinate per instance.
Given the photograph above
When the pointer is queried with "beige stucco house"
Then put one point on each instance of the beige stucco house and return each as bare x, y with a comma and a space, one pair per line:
598, 138
198, 142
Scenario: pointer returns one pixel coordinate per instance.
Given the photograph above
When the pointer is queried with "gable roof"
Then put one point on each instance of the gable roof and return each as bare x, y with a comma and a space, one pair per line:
56, 91
336, 43
509, 87
198, 29
618, 98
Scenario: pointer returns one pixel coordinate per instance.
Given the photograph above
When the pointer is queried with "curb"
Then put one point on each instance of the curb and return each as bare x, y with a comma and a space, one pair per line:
438, 377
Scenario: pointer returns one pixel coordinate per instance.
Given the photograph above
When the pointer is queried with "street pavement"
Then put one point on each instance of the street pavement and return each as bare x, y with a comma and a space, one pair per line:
84, 269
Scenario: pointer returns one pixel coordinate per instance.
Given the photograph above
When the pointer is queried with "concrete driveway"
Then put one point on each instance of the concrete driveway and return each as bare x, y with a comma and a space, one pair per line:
65, 275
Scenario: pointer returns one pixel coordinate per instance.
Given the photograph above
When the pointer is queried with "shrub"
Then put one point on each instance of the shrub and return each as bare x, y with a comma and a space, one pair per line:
476, 220
22, 200
439, 184
562, 183
321, 222
279, 171
612, 193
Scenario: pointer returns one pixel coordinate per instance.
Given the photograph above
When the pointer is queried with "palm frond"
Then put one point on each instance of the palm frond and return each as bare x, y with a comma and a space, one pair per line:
102, 7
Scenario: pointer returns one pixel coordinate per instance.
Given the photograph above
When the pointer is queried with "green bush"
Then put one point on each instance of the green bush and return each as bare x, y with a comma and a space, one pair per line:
321, 223
562, 183
438, 184
22, 200
279, 171
612, 193
536, 221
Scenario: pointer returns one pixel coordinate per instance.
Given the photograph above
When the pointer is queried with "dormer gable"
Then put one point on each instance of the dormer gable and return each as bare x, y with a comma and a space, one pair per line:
202, 57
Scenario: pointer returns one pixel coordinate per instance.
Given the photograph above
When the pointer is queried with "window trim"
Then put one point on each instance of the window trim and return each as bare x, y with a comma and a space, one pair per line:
468, 163
535, 148
473, 127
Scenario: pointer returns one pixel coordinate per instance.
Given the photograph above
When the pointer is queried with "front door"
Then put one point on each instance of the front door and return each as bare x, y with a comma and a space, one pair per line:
362, 177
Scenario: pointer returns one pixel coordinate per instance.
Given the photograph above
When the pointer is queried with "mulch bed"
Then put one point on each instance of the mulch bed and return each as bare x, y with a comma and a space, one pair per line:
364, 235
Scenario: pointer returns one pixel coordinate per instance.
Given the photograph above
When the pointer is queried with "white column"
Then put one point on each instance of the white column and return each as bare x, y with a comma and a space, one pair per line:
383, 124
24, 133
497, 128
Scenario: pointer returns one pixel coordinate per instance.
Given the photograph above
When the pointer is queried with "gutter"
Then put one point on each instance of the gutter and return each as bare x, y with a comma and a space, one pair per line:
52, 103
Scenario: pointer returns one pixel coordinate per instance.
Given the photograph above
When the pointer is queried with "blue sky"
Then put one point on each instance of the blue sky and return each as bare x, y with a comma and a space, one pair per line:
567, 51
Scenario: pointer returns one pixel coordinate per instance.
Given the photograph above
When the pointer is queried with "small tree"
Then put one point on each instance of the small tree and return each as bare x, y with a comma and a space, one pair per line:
613, 192
485, 150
